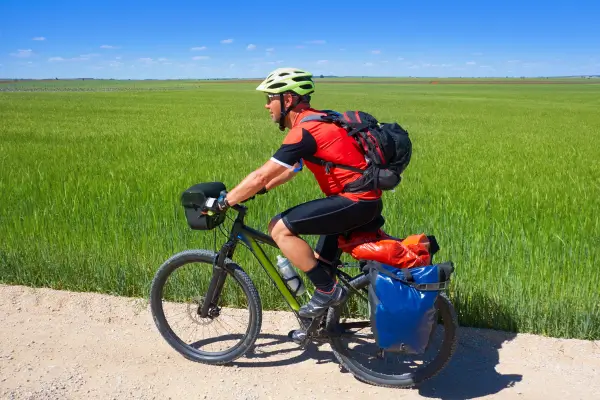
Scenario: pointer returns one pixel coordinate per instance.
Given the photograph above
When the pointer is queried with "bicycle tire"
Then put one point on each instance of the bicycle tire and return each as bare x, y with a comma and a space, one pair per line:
408, 380
234, 271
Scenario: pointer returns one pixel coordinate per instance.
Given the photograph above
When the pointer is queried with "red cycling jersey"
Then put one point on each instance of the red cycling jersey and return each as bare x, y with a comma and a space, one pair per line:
328, 142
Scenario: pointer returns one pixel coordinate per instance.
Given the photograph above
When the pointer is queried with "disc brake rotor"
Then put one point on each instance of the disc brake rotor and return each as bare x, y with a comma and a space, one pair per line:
193, 306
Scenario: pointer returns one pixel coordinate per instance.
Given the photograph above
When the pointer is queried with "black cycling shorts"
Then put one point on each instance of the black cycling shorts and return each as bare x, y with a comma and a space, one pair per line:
331, 216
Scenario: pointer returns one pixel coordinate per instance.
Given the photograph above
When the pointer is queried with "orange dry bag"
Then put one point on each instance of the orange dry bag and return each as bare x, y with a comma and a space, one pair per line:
413, 251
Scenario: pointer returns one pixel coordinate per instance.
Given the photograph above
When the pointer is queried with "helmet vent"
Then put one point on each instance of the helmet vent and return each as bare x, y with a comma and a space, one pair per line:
277, 85
301, 78
306, 86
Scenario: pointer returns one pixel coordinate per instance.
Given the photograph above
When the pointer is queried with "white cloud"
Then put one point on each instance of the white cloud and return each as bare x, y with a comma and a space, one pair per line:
39, 38
84, 57
227, 41
369, 64
273, 62
316, 42
270, 50
117, 58
107, 46
251, 46
22, 53
376, 51
198, 48
470, 63
427, 65
400, 58
115, 64
162, 59
200, 58
147, 60
322, 61
231, 65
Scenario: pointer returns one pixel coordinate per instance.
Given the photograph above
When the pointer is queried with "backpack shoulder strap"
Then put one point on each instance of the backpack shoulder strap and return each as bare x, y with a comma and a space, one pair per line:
313, 118
328, 164
327, 116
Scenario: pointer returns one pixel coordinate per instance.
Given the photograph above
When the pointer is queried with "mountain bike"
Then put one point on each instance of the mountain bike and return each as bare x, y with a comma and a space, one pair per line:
217, 293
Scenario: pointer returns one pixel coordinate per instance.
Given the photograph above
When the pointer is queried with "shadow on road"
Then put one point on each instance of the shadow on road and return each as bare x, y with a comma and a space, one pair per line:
278, 350
472, 372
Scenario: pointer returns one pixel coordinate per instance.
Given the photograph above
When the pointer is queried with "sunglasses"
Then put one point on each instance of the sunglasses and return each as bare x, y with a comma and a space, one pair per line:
271, 97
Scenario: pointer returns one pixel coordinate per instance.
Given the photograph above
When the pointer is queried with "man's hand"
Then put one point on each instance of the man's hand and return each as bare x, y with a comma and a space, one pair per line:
217, 205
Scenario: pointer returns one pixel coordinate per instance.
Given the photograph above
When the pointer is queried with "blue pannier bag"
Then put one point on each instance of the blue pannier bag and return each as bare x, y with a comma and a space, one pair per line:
402, 304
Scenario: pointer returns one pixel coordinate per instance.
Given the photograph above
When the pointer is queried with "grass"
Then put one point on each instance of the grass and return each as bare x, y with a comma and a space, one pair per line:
506, 176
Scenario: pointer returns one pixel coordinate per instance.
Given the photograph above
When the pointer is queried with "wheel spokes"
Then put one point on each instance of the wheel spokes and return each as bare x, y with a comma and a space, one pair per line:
227, 323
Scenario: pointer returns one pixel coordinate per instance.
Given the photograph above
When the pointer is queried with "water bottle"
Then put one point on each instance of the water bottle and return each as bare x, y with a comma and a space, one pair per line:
290, 276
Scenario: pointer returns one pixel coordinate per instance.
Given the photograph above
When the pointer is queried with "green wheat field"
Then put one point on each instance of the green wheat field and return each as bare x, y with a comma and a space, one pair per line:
506, 176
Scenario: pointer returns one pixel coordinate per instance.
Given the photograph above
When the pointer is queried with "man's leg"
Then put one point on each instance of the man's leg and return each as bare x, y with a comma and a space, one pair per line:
302, 256
330, 216
293, 247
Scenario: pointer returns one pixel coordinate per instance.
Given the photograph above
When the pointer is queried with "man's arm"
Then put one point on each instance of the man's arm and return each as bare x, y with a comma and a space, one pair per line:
296, 145
284, 177
255, 182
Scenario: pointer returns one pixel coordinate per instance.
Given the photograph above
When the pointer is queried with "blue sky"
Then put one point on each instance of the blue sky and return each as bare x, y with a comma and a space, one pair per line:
198, 39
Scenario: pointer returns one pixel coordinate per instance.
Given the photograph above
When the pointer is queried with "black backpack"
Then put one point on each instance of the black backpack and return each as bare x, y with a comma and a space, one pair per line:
386, 146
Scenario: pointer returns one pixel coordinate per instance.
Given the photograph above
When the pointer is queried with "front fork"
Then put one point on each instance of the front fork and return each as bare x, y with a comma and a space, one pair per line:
217, 281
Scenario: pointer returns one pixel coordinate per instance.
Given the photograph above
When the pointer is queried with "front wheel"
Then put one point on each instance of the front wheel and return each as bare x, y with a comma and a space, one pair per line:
177, 295
356, 350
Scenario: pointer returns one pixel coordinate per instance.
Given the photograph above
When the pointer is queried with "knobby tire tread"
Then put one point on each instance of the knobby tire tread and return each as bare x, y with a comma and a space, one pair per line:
447, 312
234, 271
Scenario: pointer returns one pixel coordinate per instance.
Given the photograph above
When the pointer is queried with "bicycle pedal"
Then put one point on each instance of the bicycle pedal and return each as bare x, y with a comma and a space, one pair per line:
298, 336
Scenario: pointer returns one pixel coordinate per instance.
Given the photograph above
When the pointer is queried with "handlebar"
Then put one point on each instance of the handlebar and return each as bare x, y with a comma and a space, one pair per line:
240, 208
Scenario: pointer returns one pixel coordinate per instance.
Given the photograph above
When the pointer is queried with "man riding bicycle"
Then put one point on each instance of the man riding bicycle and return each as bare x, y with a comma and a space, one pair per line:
288, 93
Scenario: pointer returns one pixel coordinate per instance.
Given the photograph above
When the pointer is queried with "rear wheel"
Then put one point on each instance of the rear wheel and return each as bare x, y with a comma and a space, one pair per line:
355, 348
177, 294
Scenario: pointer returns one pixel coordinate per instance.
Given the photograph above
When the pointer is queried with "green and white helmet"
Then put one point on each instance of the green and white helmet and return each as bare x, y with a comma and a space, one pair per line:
288, 80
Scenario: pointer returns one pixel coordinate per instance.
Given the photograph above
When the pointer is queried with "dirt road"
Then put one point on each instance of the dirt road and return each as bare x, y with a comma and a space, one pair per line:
63, 345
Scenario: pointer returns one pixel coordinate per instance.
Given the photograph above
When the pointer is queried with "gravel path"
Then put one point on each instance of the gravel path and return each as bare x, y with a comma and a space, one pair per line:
64, 345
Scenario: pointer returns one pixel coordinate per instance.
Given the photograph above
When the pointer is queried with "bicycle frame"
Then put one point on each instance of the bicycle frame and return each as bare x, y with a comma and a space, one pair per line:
251, 237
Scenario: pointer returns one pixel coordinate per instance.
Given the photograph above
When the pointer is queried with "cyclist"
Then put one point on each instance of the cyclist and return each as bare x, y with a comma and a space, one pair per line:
288, 98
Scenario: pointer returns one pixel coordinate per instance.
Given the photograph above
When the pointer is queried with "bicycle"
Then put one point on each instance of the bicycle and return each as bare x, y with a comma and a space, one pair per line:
337, 327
